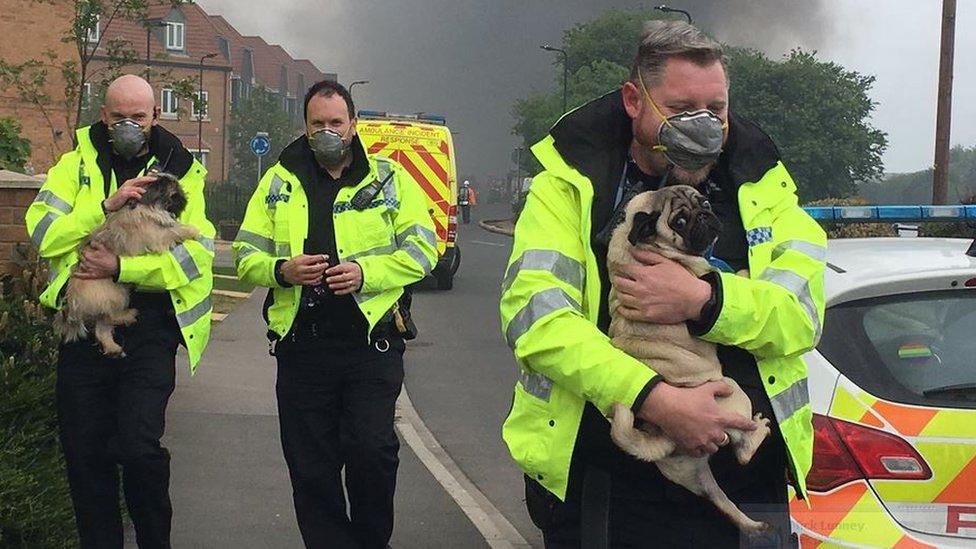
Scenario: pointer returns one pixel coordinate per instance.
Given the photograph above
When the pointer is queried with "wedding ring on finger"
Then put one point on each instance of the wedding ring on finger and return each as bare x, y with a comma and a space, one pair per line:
725, 441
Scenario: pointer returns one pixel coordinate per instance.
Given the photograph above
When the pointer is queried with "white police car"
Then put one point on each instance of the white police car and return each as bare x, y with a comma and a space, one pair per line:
893, 389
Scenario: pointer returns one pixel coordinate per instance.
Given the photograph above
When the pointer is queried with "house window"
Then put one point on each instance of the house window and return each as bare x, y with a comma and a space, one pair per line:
94, 33
201, 155
202, 105
170, 104
235, 89
175, 34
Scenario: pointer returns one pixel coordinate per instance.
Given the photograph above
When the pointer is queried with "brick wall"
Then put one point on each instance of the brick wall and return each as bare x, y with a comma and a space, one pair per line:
16, 193
29, 29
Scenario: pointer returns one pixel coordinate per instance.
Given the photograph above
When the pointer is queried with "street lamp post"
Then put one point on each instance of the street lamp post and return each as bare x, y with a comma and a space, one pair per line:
198, 106
351, 86
517, 191
151, 24
664, 8
547, 47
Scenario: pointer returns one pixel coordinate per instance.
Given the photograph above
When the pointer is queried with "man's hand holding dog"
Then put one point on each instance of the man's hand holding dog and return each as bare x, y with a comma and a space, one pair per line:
659, 291
305, 270
691, 417
131, 189
96, 262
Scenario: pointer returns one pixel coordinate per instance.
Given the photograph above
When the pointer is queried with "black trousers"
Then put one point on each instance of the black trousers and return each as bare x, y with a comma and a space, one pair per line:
336, 408
465, 213
596, 515
111, 412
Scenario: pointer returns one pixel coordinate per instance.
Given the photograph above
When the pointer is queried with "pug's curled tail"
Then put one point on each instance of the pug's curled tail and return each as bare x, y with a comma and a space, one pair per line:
637, 442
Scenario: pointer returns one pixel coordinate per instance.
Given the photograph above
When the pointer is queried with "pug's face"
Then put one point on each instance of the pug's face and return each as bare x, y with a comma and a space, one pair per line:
676, 217
165, 193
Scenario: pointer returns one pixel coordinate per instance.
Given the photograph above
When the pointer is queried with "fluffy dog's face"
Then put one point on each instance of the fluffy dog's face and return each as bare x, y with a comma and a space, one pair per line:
166, 194
677, 217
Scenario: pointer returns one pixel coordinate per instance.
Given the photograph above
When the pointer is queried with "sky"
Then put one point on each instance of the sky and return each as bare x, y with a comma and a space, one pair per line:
470, 60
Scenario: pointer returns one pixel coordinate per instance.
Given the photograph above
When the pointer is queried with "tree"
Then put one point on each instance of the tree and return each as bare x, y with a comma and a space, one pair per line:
259, 112
916, 187
599, 53
817, 112
14, 149
31, 82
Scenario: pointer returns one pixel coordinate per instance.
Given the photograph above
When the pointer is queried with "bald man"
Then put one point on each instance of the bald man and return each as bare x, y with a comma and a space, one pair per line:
111, 410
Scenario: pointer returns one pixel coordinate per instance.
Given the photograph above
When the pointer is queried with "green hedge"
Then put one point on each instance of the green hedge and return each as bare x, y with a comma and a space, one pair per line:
35, 506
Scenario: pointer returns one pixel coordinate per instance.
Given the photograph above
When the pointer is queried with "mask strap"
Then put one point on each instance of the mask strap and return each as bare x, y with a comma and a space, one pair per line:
640, 79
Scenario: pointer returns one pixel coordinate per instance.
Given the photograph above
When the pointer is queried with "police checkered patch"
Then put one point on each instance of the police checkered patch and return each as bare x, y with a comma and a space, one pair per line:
393, 204
759, 235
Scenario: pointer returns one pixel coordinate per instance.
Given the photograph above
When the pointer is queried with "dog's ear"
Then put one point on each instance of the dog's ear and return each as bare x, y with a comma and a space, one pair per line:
643, 228
176, 201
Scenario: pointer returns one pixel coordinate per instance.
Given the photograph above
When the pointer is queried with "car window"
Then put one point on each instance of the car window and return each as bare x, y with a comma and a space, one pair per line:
919, 348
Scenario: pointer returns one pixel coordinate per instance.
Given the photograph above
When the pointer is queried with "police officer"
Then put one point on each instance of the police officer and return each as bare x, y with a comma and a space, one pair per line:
337, 234
669, 123
111, 410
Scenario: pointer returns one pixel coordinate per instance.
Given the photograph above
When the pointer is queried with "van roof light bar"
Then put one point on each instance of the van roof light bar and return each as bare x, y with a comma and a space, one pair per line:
419, 117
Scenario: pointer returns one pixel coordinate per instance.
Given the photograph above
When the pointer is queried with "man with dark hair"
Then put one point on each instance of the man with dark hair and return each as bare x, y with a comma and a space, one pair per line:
328, 88
669, 124
337, 234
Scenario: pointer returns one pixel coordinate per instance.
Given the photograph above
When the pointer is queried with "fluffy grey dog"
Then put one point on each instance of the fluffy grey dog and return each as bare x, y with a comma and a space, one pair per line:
147, 226
676, 222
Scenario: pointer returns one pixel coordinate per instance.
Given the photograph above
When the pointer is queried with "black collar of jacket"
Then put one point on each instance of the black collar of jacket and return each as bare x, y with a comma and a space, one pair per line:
299, 159
595, 139
168, 150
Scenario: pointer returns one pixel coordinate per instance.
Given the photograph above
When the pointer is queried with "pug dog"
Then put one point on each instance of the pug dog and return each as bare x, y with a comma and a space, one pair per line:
676, 222
146, 226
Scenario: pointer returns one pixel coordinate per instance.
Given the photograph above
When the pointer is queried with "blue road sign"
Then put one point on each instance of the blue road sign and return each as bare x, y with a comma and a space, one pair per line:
260, 145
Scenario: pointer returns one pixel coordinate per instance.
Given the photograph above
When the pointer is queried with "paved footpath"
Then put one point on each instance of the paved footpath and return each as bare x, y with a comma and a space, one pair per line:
230, 485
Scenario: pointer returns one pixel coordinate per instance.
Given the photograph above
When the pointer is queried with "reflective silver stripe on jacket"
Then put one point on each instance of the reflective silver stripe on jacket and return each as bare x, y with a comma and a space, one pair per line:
37, 237
539, 305
52, 200
418, 255
813, 251
379, 250
195, 313
536, 385
242, 253
788, 402
207, 242
563, 267
283, 249
798, 286
414, 250
364, 297
52, 275
417, 230
261, 243
186, 262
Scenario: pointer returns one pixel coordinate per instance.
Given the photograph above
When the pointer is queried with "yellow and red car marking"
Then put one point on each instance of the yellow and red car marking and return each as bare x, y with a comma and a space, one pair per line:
944, 437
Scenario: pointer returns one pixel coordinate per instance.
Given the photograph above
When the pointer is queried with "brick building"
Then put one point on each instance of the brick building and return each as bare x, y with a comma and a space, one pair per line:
173, 40
28, 30
177, 38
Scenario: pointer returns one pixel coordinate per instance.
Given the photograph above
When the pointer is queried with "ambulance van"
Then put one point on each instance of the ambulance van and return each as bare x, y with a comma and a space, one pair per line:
422, 145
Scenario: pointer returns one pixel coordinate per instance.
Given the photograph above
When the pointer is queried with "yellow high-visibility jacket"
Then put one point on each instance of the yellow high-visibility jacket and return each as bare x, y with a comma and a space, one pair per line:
552, 291
69, 207
392, 240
